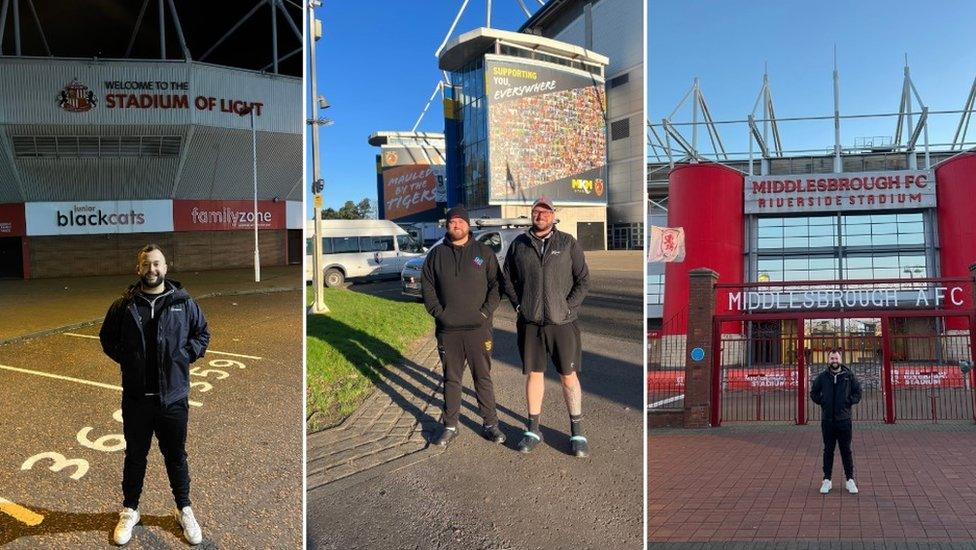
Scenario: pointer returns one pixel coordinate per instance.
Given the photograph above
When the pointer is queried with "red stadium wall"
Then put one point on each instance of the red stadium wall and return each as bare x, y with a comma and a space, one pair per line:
706, 200
956, 183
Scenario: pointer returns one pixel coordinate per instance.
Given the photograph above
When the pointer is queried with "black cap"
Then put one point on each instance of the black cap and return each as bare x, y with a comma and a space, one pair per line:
458, 212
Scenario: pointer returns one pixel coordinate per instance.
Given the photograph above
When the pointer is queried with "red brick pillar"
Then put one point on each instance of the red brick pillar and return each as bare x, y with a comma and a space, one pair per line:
698, 353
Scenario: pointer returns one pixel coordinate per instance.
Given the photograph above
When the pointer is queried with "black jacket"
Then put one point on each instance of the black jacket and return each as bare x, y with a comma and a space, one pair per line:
836, 393
460, 285
182, 338
546, 290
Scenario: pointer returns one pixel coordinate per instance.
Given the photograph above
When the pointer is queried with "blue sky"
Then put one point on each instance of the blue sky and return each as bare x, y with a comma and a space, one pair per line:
376, 66
726, 42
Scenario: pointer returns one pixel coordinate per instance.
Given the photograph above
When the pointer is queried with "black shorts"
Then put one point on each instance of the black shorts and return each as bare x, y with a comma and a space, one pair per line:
537, 343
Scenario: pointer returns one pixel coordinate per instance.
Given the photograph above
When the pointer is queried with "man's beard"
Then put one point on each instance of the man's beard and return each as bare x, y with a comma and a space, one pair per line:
459, 236
147, 285
546, 227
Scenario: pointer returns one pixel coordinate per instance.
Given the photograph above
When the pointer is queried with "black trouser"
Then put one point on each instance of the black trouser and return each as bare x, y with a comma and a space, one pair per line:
142, 416
475, 346
837, 433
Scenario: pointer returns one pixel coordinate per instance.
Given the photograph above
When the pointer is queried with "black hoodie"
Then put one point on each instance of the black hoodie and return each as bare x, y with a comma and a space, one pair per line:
460, 284
835, 393
182, 338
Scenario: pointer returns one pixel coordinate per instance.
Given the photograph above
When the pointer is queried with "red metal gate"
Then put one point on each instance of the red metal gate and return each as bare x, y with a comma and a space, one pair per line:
912, 364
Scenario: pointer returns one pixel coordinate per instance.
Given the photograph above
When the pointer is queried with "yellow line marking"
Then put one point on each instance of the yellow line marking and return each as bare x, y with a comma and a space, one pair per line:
20, 513
208, 351
76, 335
76, 380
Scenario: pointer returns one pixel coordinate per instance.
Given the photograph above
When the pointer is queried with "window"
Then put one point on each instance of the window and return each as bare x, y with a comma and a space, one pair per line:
845, 246
326, 246
340, 245
376, 244
406, 243
618, 80
884, 229
799, 268
655, 289
805, 232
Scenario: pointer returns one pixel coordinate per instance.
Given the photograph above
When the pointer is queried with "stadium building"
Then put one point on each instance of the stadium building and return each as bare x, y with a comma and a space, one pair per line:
134, 125
865, 248
549, 110
614, 29
525, 116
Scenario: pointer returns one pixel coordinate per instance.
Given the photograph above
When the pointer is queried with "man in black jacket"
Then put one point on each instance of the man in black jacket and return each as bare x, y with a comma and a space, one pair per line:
835, 390
460, 289
546, 279
154, 331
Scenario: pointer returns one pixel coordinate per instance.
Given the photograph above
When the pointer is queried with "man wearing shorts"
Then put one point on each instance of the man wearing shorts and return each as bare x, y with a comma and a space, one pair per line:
546, 279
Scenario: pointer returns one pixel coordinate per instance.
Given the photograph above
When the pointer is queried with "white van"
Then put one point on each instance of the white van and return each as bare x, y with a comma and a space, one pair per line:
360, 249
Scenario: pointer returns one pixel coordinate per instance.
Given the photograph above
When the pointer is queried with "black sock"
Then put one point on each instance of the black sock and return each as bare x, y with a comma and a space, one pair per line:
576, 424
534, 423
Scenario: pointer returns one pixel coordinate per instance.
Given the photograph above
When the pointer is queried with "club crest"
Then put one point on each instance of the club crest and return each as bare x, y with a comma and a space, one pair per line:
76, 98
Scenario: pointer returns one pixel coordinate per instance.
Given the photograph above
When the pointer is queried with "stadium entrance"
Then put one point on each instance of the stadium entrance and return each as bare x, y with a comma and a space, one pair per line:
909, 343
11, 258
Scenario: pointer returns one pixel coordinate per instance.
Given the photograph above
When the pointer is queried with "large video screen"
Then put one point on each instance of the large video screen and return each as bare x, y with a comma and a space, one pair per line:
547, 133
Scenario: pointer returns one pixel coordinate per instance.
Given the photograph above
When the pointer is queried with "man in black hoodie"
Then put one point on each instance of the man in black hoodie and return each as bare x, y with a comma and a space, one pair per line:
154, 331
461, 291
546, 279
835, 390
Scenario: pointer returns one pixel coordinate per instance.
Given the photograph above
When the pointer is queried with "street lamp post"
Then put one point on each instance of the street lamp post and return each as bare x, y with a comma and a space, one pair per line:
249, 110
318, 306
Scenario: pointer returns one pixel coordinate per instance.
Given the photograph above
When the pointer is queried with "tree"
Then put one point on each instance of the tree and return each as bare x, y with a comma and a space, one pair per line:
349, 211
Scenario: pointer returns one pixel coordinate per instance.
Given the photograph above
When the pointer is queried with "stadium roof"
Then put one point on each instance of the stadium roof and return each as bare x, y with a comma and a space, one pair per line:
236, 34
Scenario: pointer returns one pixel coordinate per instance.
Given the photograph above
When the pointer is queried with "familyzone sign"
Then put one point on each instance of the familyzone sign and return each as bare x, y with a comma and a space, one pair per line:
860, 298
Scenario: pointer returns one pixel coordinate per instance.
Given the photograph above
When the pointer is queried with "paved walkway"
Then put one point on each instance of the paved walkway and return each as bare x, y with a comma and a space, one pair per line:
396, 420
477, 494
754, 483
34, 307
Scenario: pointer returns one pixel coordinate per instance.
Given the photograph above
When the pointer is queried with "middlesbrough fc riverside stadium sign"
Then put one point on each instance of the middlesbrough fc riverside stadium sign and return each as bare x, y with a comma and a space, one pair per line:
845, 192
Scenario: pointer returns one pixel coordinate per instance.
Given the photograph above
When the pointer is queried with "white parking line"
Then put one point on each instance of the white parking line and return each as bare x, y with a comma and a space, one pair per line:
208, 351
76, 380
19, 513
233, 354
665, 401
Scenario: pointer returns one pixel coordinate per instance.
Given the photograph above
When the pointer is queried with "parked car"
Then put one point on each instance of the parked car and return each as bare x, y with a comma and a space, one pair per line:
496, 233
360, 249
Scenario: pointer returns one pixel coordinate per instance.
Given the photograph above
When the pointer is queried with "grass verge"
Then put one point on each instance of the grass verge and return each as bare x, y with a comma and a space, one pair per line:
361, 335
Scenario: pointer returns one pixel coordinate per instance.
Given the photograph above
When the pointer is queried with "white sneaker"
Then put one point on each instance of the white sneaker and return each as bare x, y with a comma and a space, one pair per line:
128, 518
825, 487
191, 529
851, 487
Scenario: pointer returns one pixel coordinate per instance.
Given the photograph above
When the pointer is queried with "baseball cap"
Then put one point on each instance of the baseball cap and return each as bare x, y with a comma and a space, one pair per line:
544, 201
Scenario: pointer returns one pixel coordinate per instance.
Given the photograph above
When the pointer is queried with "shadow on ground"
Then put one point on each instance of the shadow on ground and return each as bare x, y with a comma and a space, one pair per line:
56, 522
